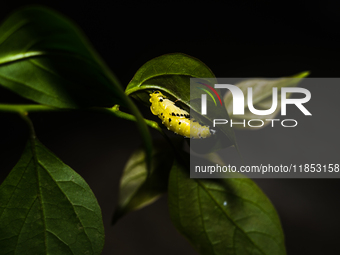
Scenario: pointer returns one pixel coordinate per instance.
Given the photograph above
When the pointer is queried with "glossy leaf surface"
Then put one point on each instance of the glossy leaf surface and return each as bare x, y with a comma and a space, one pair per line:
47, 208
224, 216
45, 58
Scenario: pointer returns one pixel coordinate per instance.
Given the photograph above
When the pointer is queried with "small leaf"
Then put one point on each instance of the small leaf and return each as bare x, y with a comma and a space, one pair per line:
224, 216
47, 208
262, 98
171, 74
138, 190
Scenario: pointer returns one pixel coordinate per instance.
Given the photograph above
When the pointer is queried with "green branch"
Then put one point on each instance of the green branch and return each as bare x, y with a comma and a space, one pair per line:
24, 116
116, 112
27, 108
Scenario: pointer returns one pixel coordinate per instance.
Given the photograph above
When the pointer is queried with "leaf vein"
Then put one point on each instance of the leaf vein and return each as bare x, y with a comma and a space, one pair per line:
16, 186
73, 206
22, 226
203, 224
249, 201
227, 216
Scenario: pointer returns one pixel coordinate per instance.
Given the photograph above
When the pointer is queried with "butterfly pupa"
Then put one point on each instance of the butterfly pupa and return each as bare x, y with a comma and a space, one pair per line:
177, 119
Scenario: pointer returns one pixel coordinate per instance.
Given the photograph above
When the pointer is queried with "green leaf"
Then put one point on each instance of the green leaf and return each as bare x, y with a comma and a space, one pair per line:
47, 208
137, 189
224, 216
45, 58
171, 74
262, 97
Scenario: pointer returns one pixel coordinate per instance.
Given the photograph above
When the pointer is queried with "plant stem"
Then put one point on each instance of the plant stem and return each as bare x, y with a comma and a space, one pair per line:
115, 111
25, 108
29, 108
24, 116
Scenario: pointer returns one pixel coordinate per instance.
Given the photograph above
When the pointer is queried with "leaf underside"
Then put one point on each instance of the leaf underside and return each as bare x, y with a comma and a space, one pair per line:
171, 75
45, 58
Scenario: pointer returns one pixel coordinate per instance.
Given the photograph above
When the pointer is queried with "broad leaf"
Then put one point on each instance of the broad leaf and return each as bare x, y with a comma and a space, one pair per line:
262, 97
137, 189
166, 73
47, 208
224, 216
45, 58
171, 74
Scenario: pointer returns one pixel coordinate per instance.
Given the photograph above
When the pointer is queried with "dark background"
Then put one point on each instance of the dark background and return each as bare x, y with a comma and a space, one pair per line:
235, 39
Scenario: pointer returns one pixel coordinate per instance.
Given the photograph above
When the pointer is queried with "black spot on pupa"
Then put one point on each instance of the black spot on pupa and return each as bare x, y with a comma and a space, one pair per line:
177, 114
182, 115
161, 100
169, 119
173, 114
161, 113
156, 92
179, 123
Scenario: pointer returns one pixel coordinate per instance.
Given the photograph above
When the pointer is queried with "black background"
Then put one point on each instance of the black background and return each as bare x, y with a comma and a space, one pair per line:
235, 39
